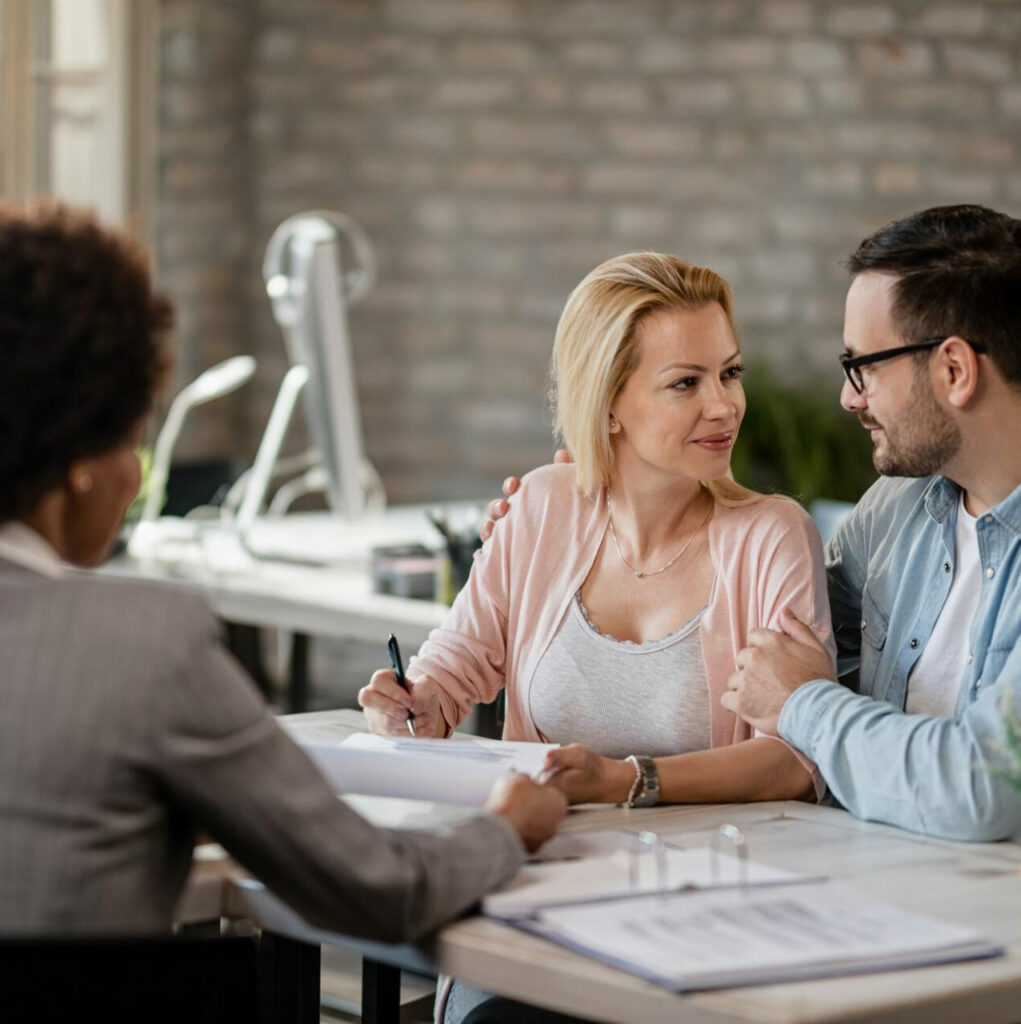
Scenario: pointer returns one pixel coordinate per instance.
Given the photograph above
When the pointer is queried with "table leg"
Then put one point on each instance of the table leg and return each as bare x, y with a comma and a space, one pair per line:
381, 993
289, 980
297, 693
245, 643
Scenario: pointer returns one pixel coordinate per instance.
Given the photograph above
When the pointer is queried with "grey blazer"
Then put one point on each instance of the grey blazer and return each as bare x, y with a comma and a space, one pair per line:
125, 726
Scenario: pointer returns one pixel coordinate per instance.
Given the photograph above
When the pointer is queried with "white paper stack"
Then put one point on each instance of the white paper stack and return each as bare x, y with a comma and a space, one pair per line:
460, 770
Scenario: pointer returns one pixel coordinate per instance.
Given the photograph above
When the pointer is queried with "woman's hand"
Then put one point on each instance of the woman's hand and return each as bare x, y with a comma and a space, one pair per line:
387, 705
585, 777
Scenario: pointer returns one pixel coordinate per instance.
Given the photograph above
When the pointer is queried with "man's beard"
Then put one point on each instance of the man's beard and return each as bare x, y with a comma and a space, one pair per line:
924, 440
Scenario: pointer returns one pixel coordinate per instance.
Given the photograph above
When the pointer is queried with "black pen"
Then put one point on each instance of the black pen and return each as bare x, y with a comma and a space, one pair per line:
398, 666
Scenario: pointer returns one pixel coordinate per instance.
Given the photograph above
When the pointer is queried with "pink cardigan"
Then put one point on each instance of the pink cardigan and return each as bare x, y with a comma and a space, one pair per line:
767, 556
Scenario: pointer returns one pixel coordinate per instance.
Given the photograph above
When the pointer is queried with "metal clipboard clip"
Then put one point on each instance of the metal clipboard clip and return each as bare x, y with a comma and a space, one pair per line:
732, 835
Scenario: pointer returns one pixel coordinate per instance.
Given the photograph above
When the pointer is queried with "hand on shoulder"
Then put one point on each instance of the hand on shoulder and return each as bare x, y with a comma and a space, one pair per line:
499, 507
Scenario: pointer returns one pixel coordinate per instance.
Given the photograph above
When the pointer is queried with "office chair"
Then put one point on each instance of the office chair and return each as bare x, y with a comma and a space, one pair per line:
121, 980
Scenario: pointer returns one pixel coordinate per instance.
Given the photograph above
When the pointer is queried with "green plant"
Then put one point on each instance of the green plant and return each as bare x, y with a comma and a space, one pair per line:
145, 464
1008, 766
797, 440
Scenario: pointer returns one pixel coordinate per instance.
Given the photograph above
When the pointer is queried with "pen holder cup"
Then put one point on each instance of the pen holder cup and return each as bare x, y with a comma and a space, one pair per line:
460, 553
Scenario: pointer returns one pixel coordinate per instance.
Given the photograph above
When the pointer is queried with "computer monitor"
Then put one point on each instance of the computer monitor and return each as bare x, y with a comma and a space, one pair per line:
310, 291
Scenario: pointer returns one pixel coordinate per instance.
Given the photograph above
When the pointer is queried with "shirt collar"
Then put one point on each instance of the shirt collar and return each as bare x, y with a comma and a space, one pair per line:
940, 497
22, 545
943, 494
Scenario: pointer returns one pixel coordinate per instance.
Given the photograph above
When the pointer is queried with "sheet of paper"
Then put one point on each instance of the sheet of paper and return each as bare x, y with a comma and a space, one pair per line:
321, 730
575, 845
460, 770
509, 756
630, 869
749, 936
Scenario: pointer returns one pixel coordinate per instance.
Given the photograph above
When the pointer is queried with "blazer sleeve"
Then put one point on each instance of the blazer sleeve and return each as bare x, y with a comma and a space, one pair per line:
223, 758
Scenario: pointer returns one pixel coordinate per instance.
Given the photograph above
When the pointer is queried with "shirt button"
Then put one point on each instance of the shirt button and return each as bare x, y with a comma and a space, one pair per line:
864, 623
914, 643
946, 567
978, 684
990, 573
971, 658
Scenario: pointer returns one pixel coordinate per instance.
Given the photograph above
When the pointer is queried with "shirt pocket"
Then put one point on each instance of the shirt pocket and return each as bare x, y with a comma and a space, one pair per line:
874, 624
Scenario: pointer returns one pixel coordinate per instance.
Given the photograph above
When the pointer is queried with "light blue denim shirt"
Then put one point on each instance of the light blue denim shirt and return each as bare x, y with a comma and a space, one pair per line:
890, 566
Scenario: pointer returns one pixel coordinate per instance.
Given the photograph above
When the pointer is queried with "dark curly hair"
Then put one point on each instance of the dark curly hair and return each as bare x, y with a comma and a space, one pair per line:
959, 273
82, 345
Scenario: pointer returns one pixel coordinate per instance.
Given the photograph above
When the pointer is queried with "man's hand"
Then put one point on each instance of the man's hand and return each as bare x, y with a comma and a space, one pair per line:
387, 704
771, 668
534, 811
498, 508
585, 777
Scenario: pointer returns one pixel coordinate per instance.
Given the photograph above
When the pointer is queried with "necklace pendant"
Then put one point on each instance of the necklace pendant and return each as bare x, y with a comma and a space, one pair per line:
639, 573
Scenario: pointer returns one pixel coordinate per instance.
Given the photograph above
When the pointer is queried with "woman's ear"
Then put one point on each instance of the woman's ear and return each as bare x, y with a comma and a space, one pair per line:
79, 479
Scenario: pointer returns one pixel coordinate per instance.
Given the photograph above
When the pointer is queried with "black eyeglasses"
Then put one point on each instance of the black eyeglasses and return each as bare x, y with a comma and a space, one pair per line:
852, 364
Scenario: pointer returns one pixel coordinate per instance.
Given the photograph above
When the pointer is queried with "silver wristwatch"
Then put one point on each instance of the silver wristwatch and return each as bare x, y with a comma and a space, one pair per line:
645, 789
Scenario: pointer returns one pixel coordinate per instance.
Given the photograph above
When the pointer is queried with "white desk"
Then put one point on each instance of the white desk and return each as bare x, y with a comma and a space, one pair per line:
334, 600
302, 599
976, 884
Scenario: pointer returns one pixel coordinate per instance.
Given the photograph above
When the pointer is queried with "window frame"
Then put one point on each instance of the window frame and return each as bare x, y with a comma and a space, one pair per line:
131, 125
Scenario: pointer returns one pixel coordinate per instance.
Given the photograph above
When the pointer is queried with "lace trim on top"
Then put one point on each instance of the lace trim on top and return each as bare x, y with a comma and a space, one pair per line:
677, 634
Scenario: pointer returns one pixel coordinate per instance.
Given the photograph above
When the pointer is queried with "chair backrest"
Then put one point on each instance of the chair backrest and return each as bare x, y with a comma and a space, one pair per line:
828, 515
156, 980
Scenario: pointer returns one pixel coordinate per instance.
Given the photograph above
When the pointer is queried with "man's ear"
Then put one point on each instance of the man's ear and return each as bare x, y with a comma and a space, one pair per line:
957, 369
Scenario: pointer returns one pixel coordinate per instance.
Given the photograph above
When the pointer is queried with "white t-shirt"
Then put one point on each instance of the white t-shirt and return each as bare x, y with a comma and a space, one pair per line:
935, 681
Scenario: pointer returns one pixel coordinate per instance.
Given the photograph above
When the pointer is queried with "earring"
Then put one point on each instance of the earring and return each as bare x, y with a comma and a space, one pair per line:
83, 482
613, 424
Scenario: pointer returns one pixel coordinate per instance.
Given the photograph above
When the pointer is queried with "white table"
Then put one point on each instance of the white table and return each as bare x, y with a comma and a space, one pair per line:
975, 884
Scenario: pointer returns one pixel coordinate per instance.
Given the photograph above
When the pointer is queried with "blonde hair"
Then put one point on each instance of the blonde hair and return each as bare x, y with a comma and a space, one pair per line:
596, 351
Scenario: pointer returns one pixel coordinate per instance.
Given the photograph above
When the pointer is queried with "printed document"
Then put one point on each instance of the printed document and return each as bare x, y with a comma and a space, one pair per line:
722, 938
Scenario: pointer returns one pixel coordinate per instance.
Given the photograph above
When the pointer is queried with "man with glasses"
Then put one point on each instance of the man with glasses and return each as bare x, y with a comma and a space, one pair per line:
925, 573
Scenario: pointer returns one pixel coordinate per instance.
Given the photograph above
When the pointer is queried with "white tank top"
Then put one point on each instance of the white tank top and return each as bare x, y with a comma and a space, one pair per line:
619, 697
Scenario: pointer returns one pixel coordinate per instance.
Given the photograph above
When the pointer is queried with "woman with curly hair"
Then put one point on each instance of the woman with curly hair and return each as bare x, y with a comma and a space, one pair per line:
125, 725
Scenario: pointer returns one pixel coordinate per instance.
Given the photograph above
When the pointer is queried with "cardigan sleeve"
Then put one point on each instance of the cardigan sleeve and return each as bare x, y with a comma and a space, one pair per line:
791, 575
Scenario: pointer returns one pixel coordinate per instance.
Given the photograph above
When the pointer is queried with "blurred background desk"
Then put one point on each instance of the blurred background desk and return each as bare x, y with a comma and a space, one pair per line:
254, 593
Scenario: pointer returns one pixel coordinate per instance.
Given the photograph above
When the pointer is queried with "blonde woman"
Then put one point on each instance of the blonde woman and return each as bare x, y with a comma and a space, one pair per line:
614, 598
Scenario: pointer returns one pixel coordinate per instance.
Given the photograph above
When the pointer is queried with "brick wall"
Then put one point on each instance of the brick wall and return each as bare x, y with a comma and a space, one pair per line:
203, 221
496, 150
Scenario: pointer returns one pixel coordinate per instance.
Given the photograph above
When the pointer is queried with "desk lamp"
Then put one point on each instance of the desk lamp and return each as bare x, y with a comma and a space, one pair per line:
215, 382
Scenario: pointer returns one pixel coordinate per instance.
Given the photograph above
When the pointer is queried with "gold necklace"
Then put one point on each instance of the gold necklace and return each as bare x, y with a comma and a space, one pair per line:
638, 573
